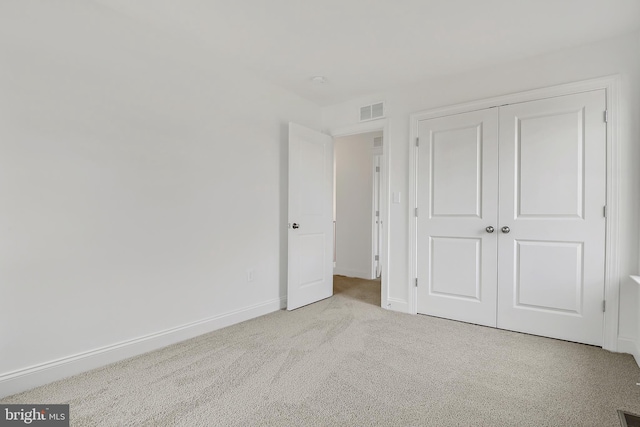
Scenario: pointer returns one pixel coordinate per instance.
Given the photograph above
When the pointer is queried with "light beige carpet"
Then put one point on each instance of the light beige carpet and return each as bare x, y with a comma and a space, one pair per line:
346, 362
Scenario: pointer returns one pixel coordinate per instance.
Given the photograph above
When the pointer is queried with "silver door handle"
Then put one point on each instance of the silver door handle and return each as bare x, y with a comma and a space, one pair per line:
505, 229
490, 229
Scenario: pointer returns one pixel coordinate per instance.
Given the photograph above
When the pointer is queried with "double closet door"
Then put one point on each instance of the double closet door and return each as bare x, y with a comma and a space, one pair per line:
511, 225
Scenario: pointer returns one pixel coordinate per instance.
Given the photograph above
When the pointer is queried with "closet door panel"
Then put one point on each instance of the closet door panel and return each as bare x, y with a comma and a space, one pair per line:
552, 194
457, 182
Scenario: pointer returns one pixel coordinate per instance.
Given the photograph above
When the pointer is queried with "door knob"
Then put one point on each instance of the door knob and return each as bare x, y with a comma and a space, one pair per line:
295, 226
490, 229
506, 229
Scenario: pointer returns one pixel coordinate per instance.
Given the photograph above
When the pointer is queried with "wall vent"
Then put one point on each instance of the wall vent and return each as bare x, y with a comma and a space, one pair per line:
377, 141
372, 112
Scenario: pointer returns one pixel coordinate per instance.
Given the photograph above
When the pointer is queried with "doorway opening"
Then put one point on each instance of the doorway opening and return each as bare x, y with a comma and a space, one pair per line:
358, 216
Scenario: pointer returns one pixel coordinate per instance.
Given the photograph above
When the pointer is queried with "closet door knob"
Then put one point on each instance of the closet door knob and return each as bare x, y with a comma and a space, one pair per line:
490, 229
505, 229
295, 226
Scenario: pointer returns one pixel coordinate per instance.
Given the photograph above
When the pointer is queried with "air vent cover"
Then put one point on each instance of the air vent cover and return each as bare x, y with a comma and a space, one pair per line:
377, 141
372, 112
365, 113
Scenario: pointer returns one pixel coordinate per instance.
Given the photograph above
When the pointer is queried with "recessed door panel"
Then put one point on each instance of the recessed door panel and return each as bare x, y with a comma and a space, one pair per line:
312, 156
549, 276
550, 164
312, 259
455, 270
457, 171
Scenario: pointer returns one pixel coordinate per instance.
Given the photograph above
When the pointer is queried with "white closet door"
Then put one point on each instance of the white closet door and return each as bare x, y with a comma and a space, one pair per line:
552, 194
457, 187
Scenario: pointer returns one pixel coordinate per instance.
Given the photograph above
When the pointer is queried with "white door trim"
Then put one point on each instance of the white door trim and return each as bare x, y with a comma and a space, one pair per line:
373, 126
612, 276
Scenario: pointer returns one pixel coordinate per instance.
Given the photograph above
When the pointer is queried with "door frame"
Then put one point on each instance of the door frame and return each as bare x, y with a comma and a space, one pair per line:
610, 84
366, 127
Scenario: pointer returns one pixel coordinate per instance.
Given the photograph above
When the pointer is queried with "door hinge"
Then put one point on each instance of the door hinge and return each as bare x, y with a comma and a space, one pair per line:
604, 306
606, 116
417, 142
377, 213
376, 258
416, 282
604, 211
377, 168
416, 212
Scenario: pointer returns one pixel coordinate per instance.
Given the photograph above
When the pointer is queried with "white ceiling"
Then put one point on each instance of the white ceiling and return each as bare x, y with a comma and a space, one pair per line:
365, 46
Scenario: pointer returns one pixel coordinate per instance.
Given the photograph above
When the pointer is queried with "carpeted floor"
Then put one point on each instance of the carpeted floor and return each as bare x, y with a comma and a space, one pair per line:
345, 361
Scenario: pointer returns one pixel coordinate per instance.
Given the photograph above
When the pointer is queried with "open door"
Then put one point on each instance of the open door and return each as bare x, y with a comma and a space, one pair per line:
377, 218
310, 265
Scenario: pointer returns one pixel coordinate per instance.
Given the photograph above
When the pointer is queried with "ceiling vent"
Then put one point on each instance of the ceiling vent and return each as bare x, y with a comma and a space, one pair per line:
372, 112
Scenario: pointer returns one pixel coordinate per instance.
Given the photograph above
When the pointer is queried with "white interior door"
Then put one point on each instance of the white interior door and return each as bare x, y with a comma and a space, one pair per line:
457, 188
552, 195
310, 261
540, 181
377, 218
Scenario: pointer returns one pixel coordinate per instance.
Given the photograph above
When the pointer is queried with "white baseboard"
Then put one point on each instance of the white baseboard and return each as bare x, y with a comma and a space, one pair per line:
397, 305
44, 373
626, 345
352, 273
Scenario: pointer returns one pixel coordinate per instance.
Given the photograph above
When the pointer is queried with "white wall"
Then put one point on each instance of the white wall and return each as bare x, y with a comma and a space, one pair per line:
140, 177
615, 56
354, 204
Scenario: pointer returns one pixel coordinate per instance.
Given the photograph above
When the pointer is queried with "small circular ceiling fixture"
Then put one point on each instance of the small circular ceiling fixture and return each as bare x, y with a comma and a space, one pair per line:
319, 79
